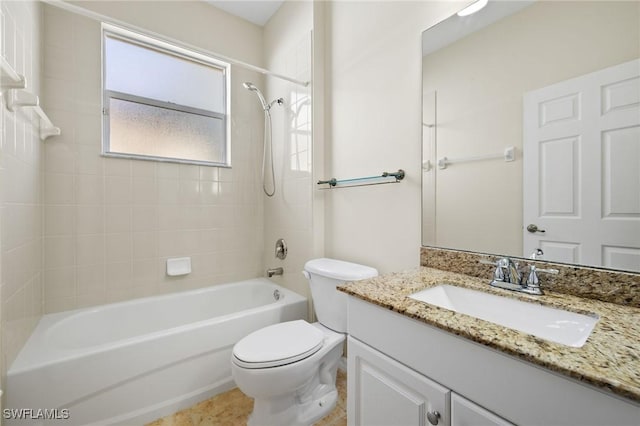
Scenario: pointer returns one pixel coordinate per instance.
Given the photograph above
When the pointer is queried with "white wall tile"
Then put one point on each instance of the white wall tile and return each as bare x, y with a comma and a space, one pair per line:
144, 190
90, 250
88, 127
118, 247
188, 191
59, 220
167, 170
208, 173
188, 172
167, 190
89, 160
143, 169
57, 305
118, 218
121, 218
119, 276
59, 188
117, 167
118, 190
91, 280
89, 219
169, 217
61, 283
60, 251
58, 27
145, 217
144, 271
145, 245
90, 189
60, 157
22, 164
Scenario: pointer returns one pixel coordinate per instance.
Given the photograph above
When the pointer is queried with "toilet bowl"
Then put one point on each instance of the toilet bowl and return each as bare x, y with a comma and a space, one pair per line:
297, 389
290, 368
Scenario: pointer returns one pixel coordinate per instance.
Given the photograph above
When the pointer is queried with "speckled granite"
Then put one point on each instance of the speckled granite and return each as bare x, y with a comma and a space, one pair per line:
582, 281
610, 359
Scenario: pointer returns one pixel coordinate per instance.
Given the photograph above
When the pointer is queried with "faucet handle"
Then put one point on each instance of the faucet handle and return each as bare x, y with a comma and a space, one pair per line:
533, 281
501, 273
500, 264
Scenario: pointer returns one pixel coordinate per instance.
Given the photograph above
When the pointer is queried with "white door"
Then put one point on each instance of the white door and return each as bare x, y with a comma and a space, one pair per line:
383, 392
581, 171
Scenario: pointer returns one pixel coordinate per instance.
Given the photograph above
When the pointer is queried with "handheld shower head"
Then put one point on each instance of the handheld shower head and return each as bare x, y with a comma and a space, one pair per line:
268, 135
251, 87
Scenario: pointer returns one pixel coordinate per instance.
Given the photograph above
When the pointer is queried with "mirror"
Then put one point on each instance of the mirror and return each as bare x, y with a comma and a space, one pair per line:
531, 132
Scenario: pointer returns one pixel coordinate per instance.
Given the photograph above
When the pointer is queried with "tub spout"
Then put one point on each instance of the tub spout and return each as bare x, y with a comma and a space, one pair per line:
274, 271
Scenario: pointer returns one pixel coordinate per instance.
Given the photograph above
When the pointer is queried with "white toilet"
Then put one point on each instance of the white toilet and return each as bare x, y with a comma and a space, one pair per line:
290, 368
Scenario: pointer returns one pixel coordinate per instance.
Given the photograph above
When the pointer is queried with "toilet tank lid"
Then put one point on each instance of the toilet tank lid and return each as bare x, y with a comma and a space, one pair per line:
339, 269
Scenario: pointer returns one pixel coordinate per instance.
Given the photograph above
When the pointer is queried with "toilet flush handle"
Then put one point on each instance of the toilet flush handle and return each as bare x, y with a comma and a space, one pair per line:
306, 274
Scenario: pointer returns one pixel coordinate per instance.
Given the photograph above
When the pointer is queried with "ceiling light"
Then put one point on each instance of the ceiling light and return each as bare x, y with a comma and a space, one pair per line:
473, 7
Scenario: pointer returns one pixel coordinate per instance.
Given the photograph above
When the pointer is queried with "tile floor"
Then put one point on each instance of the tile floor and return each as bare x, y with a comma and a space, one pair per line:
232, 408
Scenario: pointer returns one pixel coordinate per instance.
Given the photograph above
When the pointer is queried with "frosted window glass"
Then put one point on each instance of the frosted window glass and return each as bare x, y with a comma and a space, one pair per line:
146, 130
162, 101
154, 74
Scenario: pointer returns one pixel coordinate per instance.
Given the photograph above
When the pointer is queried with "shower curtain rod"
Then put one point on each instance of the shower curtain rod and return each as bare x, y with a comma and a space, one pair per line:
103, 18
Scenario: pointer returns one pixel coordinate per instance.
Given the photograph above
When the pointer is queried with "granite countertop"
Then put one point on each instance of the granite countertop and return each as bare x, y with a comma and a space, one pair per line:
610, 359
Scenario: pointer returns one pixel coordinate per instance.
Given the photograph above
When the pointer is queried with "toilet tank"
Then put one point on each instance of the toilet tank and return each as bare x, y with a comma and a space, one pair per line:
330, 304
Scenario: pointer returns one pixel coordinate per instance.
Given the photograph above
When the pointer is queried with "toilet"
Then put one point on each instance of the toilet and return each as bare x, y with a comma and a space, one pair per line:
290, 368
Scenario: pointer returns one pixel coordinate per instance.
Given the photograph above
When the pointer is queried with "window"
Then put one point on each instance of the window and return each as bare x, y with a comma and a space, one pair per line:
163, 102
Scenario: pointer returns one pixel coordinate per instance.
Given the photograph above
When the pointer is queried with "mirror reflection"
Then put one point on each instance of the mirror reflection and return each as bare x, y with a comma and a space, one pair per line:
531, 132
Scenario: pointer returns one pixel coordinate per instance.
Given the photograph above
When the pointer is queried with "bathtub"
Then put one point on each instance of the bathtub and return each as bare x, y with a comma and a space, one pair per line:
135, 361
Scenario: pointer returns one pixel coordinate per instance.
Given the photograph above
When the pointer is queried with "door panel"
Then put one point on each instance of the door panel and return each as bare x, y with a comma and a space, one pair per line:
581, 171
384, 392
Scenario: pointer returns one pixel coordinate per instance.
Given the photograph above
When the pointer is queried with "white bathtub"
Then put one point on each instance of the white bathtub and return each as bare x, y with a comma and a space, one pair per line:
132, 362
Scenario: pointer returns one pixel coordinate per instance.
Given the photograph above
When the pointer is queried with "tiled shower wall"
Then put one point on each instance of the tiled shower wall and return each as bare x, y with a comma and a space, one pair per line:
110, 224
288, 214
21, 164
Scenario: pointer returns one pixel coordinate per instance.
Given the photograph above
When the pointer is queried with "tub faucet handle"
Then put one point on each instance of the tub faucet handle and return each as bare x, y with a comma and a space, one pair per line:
281, 249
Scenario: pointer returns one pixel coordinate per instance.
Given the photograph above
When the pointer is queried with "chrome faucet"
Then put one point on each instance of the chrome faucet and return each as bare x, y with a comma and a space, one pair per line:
274, 271
509, 275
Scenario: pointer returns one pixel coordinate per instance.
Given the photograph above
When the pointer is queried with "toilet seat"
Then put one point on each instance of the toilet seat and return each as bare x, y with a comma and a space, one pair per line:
277, 345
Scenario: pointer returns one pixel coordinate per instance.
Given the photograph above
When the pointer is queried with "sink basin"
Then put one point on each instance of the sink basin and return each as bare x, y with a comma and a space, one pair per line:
556, 325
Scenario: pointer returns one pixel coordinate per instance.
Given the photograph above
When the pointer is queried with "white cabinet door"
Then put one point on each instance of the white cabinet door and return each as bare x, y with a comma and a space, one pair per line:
581, 170
466, 413
384, 392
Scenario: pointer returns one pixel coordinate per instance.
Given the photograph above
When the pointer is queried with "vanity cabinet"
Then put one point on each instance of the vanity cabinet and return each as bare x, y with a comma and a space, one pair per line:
384, 392
401, 369
466, 413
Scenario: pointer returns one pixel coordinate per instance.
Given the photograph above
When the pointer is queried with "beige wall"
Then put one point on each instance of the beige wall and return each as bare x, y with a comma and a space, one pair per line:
110, 224
480, 81
190, 21
288, 215
373, 110
21, 165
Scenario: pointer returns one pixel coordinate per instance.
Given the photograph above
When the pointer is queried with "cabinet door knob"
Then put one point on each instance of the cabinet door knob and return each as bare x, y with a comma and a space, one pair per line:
433, 417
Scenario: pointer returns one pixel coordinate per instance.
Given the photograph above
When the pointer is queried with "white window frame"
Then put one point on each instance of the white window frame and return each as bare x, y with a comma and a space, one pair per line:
173, 49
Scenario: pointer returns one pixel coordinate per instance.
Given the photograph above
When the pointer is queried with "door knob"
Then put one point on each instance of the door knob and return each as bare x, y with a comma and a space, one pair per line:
533, 228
